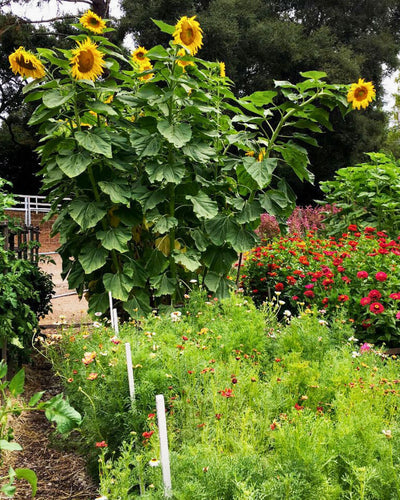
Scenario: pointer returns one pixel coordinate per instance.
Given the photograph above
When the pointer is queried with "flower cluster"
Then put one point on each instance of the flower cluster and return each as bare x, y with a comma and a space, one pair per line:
356, 274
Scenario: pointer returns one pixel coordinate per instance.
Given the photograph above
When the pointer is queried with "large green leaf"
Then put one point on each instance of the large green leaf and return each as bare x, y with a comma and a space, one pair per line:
102, 108
117, 190
242, 239
16, 386
73, 165
115, 238
251, 211
9, 445
260, 171
156, 262
189, 259
159, 172
59, 410
30, 476
297, 158
56, 98
203, 206
218, 228
138, 305
93, 142
261, 98
118, 284
163, 285
217, 283
177, 134
219, 259
92, 257
137, 273
164, 224
164, 27
86, 213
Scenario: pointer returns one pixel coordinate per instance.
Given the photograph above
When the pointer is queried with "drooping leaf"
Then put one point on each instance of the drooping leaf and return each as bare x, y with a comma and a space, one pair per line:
163, 285
117, 190
189, 259
203, 206
86, 213
59, 410
118, 284
73, 165
102, 108
164, 224
217, 283
218, 228
56, 98
177, 134
137, 273
260, 171
242, 239
138, 305
219, 259
30, 476
115, 238
92, 257
93, 142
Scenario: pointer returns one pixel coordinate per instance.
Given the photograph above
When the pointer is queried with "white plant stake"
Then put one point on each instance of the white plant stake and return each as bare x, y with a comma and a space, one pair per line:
115, 318
164, 453
129, 367
111, 309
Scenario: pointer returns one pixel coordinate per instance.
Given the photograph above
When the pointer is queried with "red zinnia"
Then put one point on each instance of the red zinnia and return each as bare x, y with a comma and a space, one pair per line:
101, 444
343, 298
376, 308
362, 274
352, 227
395, 296
365, 301
381, 276
374, 294
279, 287
309, 294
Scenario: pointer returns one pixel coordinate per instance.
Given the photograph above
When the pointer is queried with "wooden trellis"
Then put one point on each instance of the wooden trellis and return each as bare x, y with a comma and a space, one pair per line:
23, 241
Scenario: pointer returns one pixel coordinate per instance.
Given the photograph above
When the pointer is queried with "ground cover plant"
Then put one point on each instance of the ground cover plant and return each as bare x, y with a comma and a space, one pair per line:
356, 274
255, 409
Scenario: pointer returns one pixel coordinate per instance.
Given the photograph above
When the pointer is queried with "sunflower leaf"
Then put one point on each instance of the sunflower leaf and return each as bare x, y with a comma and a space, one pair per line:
86, 214
164, 27
204, 207
177, 134
75, 164
94, 143
115, 238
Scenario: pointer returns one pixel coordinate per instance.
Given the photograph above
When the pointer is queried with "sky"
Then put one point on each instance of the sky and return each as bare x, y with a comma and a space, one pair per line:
54, 8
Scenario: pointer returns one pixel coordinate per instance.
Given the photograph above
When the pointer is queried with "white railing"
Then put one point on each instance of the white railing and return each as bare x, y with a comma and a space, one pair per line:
30, 204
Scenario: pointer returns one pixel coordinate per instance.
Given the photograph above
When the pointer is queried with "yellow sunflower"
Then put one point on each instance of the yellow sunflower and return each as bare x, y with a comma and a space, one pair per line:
261, 155
222, 70
148, 76
87, 62
361, 94
139, 56
93, 22
183, 64
26, 64
189, 34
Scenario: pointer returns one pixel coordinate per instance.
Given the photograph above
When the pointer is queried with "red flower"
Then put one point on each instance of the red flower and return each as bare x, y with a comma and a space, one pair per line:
343, 298
218, 416
184, 337
325, 300
273, 426
374, 295
365, 301
369, 229
362, 275
395, 296
376, 308
279, 287
101, 444
352, 227
298, 407
227, 393
381, 276
147, 435
309, 294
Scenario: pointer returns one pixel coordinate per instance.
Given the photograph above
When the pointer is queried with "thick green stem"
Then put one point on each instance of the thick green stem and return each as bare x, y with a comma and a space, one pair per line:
172, 263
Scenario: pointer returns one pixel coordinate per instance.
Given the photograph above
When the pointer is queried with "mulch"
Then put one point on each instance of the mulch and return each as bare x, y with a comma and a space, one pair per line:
61, 474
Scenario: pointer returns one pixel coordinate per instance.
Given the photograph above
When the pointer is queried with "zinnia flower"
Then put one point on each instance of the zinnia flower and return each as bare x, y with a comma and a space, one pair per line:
376, 308
87, 61
93, 22
362, 274
381, 276
26, 64
343, 298
189, 34
365, 301
375, 294
361, 94
101, 444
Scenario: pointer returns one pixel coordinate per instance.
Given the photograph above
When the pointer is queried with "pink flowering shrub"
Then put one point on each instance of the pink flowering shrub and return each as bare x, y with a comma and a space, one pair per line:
268, 228
357, 275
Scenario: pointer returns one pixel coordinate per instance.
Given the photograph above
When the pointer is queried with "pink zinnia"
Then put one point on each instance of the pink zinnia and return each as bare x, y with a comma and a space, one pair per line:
365, 347
381, 276
362, 274
398, 315
365, 301
376, 308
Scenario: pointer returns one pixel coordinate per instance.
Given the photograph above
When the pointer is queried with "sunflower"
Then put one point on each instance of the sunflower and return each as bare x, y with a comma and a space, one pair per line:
183, 64
148, 76
87, 62
189, 34
361, 94
139, 56
222, 70
26, 64
93, 22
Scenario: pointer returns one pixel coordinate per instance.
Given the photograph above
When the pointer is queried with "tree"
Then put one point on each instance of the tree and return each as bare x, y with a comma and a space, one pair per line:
265, 41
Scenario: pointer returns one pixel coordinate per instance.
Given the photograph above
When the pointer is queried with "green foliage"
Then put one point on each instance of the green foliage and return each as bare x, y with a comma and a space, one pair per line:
162, 190
56, 409
254, 409
366, 195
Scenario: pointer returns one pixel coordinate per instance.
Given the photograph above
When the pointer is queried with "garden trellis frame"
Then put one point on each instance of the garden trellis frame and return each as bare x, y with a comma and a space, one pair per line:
23, 241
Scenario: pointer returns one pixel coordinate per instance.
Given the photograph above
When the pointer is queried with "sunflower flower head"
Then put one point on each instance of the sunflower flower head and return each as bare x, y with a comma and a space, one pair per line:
182, 63
222, 70
139, 56
87, 61
147, 76
93, 22
189, 34
26, 64
261, 155
361, 94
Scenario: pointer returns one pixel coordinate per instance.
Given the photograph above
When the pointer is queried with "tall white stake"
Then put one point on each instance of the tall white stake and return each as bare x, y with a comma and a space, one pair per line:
115, 318
164, 453
111, 309
130, 370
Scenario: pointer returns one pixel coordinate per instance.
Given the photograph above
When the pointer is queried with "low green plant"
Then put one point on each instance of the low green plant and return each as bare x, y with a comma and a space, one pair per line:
57, 410
366, 195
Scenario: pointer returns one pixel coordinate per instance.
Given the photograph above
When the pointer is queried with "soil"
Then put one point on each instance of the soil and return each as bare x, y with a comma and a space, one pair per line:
61, 474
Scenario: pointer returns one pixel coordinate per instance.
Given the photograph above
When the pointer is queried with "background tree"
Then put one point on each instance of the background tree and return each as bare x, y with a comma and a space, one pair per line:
264, 41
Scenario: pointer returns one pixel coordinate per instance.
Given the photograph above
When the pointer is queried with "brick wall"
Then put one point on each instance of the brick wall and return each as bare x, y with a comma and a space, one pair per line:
47, 244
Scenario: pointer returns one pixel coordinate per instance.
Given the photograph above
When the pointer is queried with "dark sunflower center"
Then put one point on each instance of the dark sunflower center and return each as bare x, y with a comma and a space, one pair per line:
94, 22
360, 93
187, 35
25, 64
85, 61
140, 55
